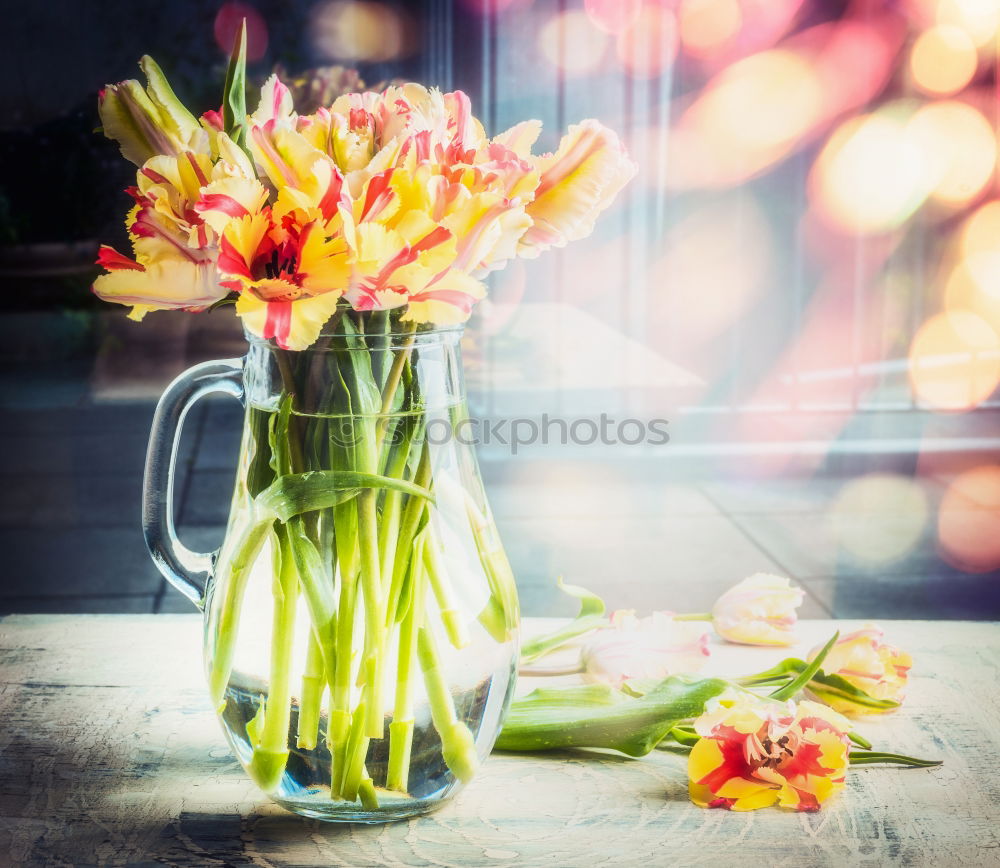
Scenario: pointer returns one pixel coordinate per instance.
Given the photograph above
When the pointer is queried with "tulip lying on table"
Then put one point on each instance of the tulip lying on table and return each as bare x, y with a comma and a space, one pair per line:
746, 751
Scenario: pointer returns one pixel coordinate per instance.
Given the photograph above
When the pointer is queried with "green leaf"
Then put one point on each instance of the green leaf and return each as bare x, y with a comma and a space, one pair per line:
260, 474
590, 617
805, 676
859, 740
584, 720
868, 757
234, 92
296, 493
278, 434
824, 687
778, 674
576, 696
685, 735
828, 687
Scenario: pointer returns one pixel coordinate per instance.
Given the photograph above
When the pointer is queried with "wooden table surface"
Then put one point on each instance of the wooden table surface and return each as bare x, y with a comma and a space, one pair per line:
110, 755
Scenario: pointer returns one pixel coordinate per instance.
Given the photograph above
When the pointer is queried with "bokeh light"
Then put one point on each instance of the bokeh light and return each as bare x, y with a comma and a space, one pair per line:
954, 361
981, 232
229, 20
648, 47
613, 16
751, 115
572, 43
974, 285
871, 175
943, 60
969, 520
344, 30
707, 26
959, 149
879, 518
714, 266
979, 18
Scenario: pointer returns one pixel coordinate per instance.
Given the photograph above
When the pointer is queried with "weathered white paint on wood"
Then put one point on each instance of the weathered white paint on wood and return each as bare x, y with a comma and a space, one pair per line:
110, 755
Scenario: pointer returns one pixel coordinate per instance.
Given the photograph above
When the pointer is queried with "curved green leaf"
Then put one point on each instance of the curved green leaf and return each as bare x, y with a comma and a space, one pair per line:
296, 493
590, 616
805, 676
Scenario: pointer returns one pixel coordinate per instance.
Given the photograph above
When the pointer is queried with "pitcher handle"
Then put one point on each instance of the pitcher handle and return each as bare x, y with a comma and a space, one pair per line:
186, 570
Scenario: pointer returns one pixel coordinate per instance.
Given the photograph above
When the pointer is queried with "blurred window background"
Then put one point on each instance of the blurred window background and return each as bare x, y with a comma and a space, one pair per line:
802, 285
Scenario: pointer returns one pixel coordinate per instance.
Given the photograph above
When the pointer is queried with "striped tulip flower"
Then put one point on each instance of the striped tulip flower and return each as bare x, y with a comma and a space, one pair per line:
149, 122
288, 262
877, 669
643, 648
760, 610
173, 242
577, 183
755, 752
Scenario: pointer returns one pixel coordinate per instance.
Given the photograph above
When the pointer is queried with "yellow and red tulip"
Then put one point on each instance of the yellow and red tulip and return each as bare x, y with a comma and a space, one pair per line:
173, 242
288, 265
866, 662
577, 183
755, 752
760, 610
384, 200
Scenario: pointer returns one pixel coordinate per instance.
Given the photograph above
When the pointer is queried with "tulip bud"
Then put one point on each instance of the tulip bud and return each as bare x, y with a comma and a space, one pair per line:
149, 122
760, 610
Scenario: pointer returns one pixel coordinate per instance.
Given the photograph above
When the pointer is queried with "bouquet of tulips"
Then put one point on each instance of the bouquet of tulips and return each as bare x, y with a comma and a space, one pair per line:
342, 236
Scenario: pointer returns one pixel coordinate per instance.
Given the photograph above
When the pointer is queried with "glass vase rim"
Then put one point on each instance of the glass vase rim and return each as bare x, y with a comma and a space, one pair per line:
395, 336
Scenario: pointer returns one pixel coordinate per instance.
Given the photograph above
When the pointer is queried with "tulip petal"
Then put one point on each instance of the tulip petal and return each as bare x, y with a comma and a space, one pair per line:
521, 137
175, 284
294, 325
577, 182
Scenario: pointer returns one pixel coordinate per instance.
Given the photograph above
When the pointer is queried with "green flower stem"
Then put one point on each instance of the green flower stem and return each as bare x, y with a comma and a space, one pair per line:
401, 728
367, 794
317, 587
232, 581
345, 518
375, 632
867, 757
499, 616
458, 745
270, 755
493, 619
388, 531
451, 616
313, 687
401, 357
356, 750
412, 514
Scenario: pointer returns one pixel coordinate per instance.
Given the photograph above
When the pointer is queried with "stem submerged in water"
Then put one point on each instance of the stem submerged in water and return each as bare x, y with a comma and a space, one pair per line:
349, 511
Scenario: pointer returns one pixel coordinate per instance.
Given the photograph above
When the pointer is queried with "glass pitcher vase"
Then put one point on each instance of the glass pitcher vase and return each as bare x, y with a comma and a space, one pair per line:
361, 619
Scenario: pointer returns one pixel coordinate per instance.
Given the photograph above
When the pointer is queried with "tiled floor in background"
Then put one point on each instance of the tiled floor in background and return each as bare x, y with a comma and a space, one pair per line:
643, 536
